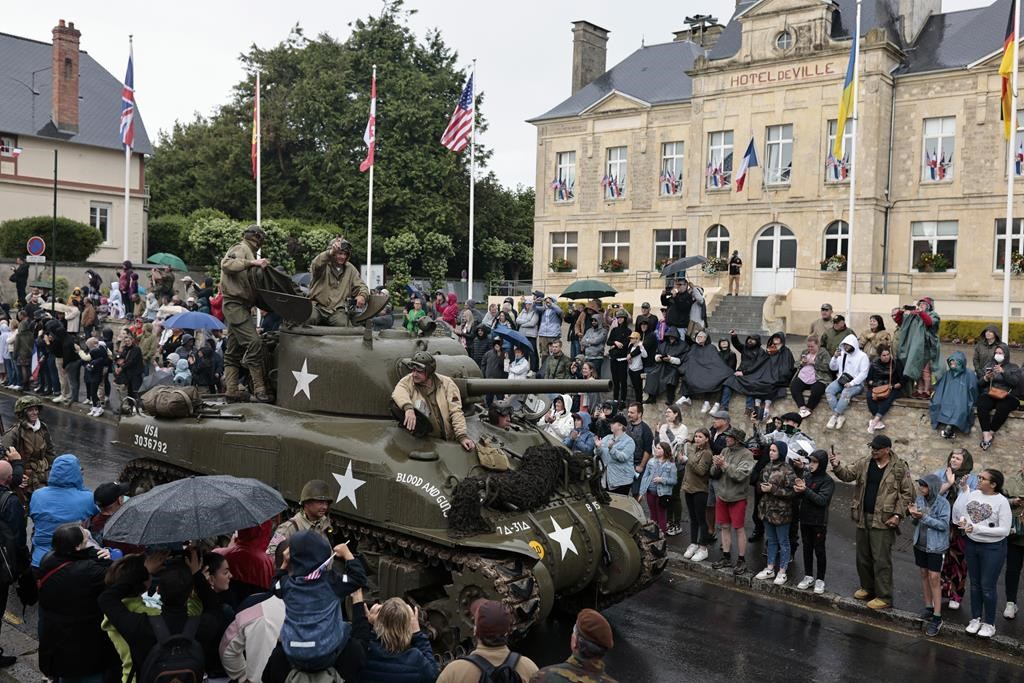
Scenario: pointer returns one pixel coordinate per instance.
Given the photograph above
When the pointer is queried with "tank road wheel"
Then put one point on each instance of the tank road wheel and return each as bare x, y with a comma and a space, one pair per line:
467, 586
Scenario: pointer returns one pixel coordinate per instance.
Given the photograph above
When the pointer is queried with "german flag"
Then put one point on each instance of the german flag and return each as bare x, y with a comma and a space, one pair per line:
1006, 69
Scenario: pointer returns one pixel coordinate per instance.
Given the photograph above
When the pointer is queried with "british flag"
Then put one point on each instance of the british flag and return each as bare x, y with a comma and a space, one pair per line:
128, 104
612, 188
563, 190
716, 177
670, 182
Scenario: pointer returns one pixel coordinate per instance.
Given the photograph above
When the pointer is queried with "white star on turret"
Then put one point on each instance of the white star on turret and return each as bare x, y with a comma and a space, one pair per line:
347, 485
303, 378
563, 537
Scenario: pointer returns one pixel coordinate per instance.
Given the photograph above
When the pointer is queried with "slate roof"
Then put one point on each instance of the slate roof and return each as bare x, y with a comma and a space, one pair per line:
958, 39
99, 108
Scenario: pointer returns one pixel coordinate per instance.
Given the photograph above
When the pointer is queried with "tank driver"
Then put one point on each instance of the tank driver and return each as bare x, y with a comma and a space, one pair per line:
334, 280
424, 394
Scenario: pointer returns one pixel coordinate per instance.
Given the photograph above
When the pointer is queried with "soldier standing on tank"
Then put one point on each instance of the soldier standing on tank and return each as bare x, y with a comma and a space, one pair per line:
435, 396
30, 438
315, 499
244, 346
334, 281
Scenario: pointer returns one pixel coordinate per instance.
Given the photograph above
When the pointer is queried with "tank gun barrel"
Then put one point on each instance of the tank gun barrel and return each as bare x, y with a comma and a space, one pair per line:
479, 387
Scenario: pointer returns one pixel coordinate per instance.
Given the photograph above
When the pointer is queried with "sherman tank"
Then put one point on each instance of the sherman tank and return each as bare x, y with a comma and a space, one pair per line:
394, 492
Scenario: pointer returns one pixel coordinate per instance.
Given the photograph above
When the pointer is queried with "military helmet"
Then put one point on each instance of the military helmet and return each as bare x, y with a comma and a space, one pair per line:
315, 489
256, 231
26, 402
341, 244
423, 361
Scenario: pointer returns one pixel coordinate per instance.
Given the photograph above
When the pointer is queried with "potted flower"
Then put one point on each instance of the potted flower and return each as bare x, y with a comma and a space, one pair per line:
1017, 263
664, 262
834, 264
929, 262
715, 264
612, 265
561, 265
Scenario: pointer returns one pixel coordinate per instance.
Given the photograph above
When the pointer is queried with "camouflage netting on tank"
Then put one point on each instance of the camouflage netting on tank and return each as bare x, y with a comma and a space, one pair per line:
526, 488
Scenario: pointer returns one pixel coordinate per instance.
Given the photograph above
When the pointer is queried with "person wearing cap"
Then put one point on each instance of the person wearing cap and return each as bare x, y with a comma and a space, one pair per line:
800, 445
550, 329
492, 626
645, 314
735, 268
499, 414
315, 500
333, 281
434, 396
835, 335
616, 451
731, 470
679, 301
823, 323
591, 639
882, 495
109, 498
189, 285
600, 423
243, 348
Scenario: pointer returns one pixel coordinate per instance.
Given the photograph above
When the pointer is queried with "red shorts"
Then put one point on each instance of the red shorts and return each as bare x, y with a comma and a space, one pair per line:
730, 513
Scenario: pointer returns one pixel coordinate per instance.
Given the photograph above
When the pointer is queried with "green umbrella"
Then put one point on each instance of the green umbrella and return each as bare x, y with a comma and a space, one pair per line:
168, 260
588, 289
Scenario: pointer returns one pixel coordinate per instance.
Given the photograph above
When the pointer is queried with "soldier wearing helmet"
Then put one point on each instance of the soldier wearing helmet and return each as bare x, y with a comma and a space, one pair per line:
434, 397
29, 440
243, 346
315, 500
334, 280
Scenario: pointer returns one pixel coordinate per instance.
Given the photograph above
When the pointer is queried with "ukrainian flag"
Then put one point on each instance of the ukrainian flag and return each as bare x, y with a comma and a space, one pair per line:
846, 101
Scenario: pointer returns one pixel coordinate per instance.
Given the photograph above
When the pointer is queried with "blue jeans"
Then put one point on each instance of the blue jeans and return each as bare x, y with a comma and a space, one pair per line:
727, 396
777, 537
839, 397
881, 407
12, 371
574, 348
984, 564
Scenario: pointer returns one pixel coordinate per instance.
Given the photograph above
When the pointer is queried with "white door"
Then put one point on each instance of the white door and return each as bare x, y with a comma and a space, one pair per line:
774, 260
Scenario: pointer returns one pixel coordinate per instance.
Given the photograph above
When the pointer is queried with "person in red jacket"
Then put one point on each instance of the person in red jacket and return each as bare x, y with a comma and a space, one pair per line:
252, 569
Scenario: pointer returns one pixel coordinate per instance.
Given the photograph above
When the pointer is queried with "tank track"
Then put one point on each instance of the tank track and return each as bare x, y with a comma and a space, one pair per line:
508, 579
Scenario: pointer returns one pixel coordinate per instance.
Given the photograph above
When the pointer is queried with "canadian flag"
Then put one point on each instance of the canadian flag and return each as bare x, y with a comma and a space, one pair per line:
371, 126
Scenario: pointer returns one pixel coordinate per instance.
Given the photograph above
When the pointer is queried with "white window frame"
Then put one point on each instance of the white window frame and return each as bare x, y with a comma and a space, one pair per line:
617, 245
671, 168
720, 160
778, 154
1018, 139
841, 238
834, 168
94, 218
565, 172
561, 249
675, 240
615, 168
784, 40
932, 236
1016, 241
7, 145
717, 240
938, 142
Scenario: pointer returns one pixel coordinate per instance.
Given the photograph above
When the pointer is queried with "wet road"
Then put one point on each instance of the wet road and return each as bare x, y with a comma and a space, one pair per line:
682, 629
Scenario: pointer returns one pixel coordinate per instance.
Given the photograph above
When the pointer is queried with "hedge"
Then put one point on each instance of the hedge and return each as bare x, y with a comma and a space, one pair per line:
969, 331
76, 242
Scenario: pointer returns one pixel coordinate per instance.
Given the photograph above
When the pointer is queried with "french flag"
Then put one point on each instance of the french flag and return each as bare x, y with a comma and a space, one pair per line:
749, 161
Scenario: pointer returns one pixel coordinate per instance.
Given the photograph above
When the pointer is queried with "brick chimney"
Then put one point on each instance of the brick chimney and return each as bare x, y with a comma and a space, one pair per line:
589, 50
65, 77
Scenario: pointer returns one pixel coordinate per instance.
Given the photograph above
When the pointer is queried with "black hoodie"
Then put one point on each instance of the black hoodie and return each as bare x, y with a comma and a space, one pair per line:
751, 357
983, 351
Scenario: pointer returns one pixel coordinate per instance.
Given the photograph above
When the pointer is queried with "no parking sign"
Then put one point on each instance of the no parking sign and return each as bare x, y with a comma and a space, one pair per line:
36, 247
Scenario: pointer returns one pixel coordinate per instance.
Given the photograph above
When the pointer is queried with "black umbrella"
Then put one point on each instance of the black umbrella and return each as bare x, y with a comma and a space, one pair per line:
588, 289
682, 264
193, 508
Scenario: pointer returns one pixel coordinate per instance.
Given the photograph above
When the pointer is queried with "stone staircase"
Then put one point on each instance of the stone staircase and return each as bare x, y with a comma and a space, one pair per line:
741, 313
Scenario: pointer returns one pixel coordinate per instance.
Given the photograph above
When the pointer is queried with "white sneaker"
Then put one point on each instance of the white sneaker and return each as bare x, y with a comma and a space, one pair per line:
1011, 610
805, 583
681, 400
974, 626
819, 586
871, 426
879, 426
686, 400
840, 421
986, 631
765, 574
804, 411
705, 408
700, 555
99, 412
715, 408
781, 579
953, 605
690, 550
832, 422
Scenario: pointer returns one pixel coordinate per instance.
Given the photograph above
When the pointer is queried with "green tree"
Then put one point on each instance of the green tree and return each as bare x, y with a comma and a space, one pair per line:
75, 242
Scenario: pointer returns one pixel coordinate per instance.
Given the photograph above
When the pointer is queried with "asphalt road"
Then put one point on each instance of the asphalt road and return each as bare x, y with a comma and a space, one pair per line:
682, 629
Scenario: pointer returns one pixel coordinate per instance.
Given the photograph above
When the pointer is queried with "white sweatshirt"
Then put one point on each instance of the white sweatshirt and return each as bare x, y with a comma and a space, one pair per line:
990, 515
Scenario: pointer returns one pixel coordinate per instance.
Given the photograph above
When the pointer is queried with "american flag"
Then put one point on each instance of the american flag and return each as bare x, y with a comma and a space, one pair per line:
318, 572
370, 136
456, 135
128, 104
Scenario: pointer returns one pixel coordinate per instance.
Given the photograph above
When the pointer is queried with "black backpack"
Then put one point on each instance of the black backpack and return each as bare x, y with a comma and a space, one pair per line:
503, 673
12, 561
175, 657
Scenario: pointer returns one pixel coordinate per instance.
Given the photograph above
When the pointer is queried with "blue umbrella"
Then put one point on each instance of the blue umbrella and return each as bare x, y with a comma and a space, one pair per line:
193, 320
514, 337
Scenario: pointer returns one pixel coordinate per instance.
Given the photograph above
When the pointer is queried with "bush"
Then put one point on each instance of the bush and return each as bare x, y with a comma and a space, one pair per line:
167, 234
76, 242
209, 238
970, 330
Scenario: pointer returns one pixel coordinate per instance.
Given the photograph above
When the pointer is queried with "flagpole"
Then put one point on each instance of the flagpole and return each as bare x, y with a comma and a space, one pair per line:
127, 173
369, 205
259, 189
472, 182
853, 169
1010, 159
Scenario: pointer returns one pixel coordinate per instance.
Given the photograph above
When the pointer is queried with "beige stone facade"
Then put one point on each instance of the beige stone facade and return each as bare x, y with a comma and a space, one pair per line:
783, 93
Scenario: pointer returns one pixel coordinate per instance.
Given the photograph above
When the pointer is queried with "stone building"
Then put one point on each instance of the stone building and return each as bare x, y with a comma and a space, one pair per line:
639, 163
57, 97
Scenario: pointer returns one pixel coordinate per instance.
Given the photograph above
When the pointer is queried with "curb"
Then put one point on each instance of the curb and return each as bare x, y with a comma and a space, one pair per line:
77, 408
1000, 644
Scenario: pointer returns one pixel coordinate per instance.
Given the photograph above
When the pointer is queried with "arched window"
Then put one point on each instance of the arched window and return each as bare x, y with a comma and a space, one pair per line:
717, 241
837, 239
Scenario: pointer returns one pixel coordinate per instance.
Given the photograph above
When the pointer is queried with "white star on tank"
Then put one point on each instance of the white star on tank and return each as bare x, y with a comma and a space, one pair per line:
563, 537
347, 485
303, 378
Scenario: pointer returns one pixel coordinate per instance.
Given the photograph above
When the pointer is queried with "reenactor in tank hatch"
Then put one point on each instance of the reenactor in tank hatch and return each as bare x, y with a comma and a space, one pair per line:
424, 396
334, 280
243, 345
30, 438
315, 499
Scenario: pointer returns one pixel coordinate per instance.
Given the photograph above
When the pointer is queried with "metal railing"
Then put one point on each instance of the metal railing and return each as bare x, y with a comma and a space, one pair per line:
862, 283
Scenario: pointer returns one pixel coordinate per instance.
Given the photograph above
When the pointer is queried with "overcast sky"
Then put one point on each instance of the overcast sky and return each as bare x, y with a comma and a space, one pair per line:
186, 52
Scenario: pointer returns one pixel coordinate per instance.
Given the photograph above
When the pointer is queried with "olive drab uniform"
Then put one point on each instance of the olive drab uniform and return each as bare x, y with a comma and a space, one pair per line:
36, 449
299, 522
330, 288
574, 670
243, 346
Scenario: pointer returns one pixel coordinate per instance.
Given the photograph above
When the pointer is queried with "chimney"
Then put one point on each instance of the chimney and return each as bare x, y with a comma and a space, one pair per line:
589, 49
913, 16
705, 36
65, 77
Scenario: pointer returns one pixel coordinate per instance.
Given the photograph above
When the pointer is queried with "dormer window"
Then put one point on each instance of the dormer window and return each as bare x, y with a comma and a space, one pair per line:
784, 41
